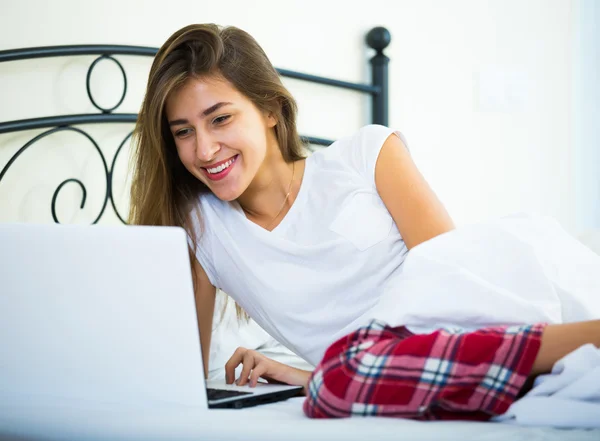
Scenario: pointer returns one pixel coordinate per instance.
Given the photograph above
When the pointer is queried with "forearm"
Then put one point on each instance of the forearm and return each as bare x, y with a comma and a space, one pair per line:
559, 340
297, 377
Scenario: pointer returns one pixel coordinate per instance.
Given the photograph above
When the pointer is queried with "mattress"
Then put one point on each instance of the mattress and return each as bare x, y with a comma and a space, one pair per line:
277, 421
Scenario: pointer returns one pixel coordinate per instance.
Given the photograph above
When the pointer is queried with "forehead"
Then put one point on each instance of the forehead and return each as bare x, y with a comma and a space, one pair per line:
197, 94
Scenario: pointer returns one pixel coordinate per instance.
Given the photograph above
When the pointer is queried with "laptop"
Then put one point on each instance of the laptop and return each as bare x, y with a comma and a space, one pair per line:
105, 315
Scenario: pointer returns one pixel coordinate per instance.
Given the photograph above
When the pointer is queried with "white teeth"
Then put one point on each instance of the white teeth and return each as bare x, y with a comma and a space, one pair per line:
220, 168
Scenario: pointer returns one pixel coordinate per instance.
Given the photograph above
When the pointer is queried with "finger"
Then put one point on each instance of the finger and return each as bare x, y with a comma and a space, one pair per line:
232, 363
257, 372
248, 366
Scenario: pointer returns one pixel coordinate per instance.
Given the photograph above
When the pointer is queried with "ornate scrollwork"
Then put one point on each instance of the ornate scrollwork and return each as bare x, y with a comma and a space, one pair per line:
378, 39
89, 77
108, 172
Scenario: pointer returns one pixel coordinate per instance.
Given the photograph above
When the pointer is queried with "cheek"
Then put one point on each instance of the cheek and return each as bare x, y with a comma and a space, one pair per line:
254, 143
253, 155
186, 156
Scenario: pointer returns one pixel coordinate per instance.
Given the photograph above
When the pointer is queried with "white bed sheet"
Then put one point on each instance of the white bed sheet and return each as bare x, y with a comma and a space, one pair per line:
278, 421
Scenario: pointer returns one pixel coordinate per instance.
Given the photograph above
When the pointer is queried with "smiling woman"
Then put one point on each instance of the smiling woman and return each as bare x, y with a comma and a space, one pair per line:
339, 240
213, 98
200, 79
92, 205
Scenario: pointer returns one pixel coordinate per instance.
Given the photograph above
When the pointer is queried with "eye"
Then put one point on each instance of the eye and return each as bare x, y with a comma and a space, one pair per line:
221, 119
183, 133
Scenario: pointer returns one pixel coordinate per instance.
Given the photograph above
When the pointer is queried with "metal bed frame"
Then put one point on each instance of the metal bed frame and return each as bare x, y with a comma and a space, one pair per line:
377, 38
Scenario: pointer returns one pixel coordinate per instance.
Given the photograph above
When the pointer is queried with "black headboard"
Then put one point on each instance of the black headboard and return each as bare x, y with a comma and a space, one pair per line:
377, 38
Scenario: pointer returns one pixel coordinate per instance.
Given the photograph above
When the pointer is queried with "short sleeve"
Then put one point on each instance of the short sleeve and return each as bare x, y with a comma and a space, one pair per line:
361, 150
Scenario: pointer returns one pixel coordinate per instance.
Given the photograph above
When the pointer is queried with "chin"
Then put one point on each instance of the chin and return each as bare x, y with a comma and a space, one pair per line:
230, 189
227, 196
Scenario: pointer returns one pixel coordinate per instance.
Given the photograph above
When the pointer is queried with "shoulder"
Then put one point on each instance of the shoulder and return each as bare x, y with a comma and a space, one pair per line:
367, 139
370, 132
202, 217
374, 134
360, 150
202, 211
374, 130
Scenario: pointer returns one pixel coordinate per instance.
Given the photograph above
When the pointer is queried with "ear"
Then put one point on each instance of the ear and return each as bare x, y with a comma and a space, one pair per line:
271, 120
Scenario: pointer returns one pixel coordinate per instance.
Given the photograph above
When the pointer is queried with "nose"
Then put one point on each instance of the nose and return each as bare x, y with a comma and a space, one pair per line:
206, 149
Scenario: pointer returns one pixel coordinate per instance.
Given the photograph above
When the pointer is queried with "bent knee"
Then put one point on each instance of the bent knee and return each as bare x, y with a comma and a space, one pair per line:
326, 394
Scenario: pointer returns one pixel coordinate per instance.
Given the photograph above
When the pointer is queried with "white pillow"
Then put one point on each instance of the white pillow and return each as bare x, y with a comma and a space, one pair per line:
229, 333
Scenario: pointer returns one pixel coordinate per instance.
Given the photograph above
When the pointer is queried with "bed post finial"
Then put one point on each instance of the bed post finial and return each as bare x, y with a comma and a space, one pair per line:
379, 38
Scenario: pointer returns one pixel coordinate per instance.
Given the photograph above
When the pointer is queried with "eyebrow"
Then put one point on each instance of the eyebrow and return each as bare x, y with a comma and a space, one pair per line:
211, 109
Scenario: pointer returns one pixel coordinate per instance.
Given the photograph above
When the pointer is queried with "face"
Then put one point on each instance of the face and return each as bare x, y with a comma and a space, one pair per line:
222, 138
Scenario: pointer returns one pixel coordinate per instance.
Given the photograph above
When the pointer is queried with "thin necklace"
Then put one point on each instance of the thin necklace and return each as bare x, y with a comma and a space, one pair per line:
286, 197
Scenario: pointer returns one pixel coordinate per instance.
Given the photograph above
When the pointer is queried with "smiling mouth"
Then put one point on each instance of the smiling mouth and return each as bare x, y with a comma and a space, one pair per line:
220, 168
220, 171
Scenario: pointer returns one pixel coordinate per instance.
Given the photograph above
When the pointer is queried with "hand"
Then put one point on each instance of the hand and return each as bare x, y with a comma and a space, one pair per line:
258, 366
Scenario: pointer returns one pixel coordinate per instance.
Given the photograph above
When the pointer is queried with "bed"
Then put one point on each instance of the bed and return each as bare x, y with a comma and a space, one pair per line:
102, 187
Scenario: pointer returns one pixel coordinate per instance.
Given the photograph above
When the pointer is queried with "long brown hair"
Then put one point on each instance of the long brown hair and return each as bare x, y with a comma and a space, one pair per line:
163, 191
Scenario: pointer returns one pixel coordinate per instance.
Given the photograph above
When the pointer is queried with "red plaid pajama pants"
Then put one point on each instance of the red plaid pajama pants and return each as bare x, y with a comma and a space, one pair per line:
385, 371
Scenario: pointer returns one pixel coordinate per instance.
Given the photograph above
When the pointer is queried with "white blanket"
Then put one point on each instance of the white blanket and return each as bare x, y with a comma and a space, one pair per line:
520, 269
567, 397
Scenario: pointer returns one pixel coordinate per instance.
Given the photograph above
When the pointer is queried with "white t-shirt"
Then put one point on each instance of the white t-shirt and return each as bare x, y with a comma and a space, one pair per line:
316, 276
337, 261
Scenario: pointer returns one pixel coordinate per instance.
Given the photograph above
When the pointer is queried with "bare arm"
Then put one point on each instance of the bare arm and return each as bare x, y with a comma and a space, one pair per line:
415, 208
205, 307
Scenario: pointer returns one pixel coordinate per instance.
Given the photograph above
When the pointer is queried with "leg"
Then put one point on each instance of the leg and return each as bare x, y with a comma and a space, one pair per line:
559, 340
384, 371
379, 370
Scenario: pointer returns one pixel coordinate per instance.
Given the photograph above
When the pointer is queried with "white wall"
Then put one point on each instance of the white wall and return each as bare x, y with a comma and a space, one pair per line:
483, 90
586, 112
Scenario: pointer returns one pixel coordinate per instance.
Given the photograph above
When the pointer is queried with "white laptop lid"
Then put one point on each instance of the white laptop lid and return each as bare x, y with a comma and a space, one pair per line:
98, 314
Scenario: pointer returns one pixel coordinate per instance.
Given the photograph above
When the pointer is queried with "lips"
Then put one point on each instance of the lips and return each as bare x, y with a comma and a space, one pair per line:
220, 174
216, 164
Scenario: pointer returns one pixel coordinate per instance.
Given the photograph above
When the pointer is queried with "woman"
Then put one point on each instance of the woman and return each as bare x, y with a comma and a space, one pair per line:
316, 249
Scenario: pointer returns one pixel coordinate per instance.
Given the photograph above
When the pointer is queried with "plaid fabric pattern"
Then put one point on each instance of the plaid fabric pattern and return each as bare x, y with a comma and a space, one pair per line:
385, 371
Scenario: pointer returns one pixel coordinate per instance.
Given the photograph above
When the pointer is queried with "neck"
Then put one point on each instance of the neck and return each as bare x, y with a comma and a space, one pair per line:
264, 201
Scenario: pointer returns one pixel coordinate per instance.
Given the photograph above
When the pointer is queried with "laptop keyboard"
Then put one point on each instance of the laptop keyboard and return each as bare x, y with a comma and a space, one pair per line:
218, 394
